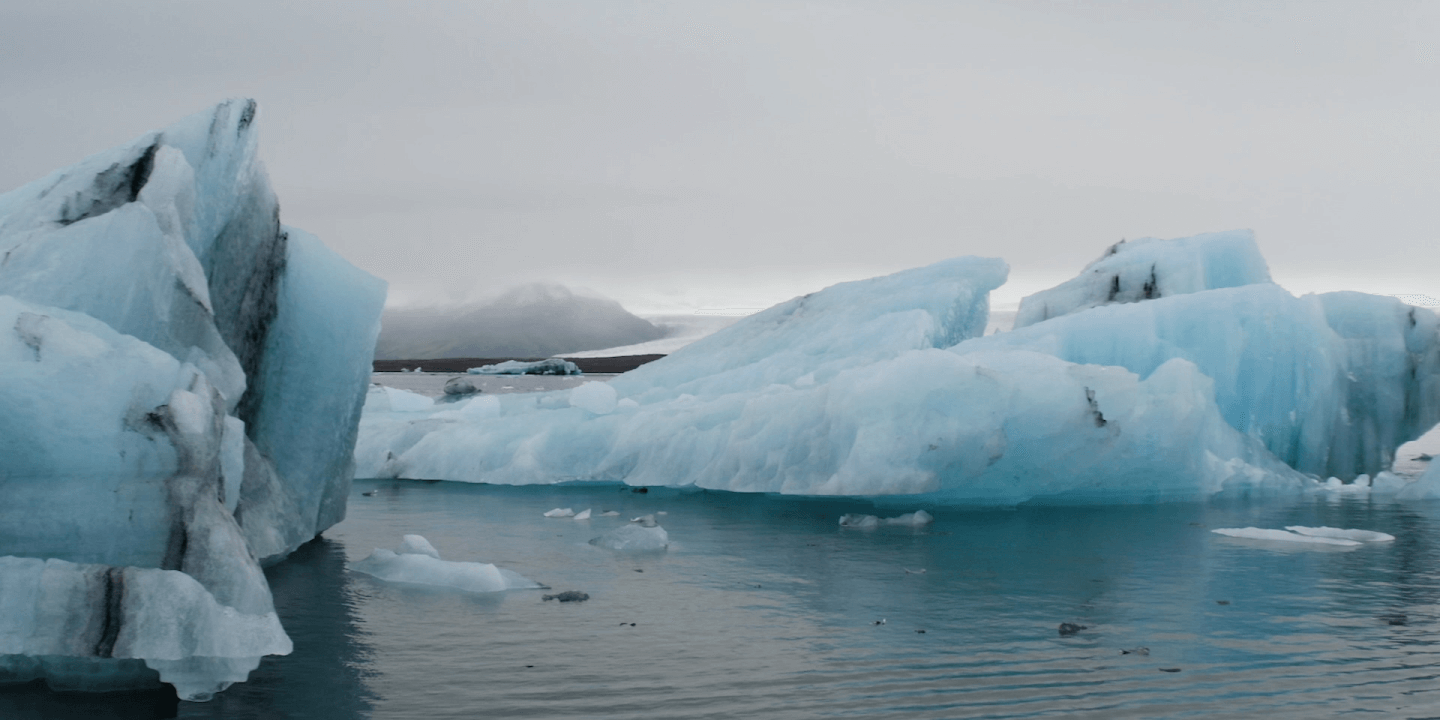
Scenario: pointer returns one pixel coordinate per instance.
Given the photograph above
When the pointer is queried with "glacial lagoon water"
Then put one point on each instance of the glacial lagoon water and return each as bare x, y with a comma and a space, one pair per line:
765, 607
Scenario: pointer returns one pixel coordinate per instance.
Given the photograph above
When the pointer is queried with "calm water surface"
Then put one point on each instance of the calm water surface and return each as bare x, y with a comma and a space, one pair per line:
764, 607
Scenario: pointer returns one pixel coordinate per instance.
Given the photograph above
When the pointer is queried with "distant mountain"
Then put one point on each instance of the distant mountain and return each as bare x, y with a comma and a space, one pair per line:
537, 320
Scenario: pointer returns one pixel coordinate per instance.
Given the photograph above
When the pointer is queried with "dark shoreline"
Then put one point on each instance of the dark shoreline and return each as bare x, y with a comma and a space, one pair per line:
617, 364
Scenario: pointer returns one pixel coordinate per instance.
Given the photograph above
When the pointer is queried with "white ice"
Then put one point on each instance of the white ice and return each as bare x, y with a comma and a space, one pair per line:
417, 563
560, 513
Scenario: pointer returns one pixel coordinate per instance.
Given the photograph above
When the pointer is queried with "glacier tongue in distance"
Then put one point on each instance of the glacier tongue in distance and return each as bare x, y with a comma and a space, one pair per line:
180, 382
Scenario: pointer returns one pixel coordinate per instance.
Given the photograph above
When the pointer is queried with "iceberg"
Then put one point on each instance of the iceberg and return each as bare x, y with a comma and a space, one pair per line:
181, 378
1219, 381
549, 366
416, 562
853, 391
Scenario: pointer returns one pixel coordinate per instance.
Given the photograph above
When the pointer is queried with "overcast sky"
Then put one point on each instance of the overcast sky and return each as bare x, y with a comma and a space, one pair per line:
733, 154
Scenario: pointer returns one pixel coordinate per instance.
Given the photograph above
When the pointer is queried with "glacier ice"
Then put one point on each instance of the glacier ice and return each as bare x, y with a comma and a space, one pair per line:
1151, 268
416, 562
548, 366
853, 391
180, 382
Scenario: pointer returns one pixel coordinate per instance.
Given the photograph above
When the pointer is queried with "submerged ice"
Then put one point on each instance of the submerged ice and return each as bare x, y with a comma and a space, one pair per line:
180, 381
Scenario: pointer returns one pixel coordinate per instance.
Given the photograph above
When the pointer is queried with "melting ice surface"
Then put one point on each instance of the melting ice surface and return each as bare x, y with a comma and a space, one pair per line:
1167, 370
180, 381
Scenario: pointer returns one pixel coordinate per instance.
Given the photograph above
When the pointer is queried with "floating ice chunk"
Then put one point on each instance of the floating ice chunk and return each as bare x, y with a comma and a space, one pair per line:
596, 397
860, 522
609, 513
1151, 268
583, 514
1343, 534
549, 366
419, 569
560, 513
417, 545
644, 520
919, 518
634, 537
1253, 533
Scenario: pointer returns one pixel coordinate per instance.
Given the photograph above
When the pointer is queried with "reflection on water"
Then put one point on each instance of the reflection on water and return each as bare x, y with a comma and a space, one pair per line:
323, 678
765, 607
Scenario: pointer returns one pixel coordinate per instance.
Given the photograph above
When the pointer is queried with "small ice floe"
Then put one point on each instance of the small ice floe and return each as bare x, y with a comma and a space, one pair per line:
1343, 534
560, 513
1316, 536
635, 537
644, 520
918, 518
416, 562
583, 514
609, 513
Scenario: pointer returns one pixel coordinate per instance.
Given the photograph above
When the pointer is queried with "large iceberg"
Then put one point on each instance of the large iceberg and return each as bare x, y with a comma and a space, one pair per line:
181, 378
854, 390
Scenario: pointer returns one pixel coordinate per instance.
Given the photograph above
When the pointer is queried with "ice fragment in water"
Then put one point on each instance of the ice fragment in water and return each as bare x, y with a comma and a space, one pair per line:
1252, 533
634, 537
1344, 534
560, 513
415, 562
